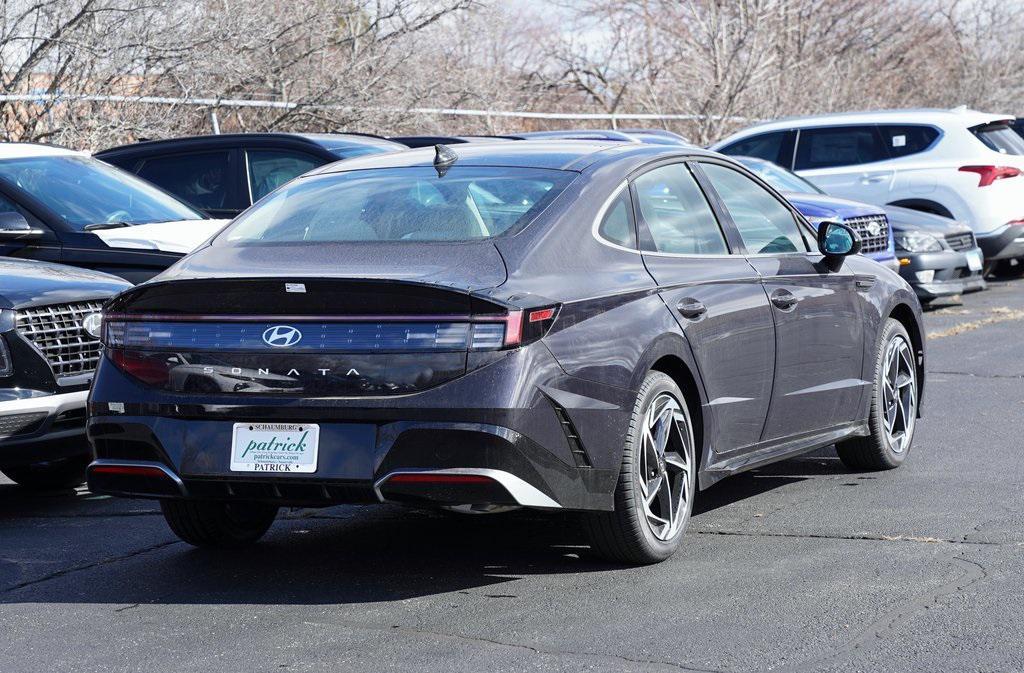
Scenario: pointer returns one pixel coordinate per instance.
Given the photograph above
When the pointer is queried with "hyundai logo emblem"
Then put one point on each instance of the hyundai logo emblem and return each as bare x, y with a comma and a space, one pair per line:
92, 323
281, 336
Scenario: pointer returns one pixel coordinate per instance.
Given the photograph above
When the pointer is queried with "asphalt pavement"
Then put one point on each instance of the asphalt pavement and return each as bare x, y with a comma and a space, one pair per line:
801, 566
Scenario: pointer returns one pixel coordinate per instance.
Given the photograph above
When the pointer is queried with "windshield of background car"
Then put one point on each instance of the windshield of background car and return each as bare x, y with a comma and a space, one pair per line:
999, 137
83, 191
401, 204
780, 178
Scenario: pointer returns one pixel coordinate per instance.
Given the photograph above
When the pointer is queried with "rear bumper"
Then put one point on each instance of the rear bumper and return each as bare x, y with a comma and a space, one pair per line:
1004, 243
500, 423
951, 273
31, 424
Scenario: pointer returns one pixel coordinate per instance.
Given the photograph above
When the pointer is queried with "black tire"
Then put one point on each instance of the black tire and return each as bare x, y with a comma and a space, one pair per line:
625, 535
61, 474
1008, 269
218, 525
876, 452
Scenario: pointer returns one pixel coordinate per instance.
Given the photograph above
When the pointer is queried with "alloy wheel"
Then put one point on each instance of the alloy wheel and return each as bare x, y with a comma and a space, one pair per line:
665, 466
899, 394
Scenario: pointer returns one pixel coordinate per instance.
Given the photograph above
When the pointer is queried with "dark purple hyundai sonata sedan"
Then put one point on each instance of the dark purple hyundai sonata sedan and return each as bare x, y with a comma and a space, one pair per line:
560, 325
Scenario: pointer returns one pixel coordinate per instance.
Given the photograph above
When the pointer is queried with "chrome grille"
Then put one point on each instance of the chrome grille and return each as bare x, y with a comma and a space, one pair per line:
871, 242
57, 332
960, 242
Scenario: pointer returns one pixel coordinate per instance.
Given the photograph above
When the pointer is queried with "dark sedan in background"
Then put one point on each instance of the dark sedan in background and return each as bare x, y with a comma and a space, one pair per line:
222, 175
49, 346
938, 256
604, 327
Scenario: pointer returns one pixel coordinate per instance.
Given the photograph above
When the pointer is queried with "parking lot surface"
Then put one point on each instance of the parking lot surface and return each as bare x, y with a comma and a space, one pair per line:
800, 566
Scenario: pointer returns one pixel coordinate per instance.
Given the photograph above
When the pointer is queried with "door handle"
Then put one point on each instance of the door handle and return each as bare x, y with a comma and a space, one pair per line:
691, 309
784, 299
870, 179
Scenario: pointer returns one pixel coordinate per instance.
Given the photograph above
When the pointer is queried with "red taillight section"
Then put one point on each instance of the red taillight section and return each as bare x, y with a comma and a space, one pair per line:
153, 369
989, 174
1016, 223
129, 470
543, 314
514, 328
426, 478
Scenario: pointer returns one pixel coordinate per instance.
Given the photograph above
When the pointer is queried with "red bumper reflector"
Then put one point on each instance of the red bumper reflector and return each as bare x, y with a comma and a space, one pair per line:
426, 478
543, 314
129, 470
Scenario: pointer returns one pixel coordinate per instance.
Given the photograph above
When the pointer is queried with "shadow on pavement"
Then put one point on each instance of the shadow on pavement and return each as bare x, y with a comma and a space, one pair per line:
348, 554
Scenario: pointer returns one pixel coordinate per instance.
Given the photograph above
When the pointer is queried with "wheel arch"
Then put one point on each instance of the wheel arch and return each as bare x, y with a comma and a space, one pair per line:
906, 316
924, 205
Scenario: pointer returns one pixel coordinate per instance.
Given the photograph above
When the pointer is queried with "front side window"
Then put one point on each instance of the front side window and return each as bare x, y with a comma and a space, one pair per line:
764, 223
83, 191
400, 204
768, 146
905, 140
677, 214
617, 223
839, 146
269, 169
778, 177
201, 178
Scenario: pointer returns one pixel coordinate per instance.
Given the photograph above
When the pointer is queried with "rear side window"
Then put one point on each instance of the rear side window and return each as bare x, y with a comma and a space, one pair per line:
401, 204
765, 225
201, 179
677, 214
774, 147
617, 224
999, 137
269, 169
839, 146
901, 141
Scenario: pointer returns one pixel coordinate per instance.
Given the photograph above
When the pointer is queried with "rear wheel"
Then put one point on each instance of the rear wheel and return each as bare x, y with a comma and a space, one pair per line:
893, 406
654, 494
218, 525
60, 474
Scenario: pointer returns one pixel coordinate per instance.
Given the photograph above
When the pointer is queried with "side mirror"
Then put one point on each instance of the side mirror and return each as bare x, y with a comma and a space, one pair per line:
13, 225
837, 240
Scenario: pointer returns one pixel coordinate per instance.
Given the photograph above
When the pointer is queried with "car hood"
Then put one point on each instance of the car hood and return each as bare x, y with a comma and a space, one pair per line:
908, 219
465, 266
824, 206
25, 282
182, 236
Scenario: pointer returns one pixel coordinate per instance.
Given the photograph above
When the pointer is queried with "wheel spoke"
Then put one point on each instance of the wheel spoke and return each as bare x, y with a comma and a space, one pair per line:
665, 465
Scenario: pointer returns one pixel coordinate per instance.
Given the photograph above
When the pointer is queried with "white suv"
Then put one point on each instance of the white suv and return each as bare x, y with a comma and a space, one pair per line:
959, 163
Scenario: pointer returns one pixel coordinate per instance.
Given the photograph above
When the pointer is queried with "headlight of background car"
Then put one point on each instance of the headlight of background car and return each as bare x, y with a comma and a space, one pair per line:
917, 242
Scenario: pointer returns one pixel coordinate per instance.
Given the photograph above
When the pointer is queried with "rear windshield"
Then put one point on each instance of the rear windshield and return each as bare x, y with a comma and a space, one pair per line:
401, 204
999, 137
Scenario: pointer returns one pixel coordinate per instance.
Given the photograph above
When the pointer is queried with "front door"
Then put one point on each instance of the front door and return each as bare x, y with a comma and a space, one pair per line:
817, 312
847, 161
715, 296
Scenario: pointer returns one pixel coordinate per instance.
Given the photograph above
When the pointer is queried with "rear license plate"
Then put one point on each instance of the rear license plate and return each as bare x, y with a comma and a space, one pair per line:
974, 260
275, 447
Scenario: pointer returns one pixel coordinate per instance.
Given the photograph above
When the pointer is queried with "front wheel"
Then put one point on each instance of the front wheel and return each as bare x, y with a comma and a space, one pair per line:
219, 525
893, 406
657, 479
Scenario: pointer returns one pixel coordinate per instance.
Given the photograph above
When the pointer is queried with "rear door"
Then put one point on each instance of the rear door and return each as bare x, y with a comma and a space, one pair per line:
715, 296
846, 161
817, 312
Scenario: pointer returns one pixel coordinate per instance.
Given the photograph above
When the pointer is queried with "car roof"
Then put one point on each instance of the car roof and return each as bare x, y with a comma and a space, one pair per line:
960, 116
431, 140
326, 141
26, 150
573, 155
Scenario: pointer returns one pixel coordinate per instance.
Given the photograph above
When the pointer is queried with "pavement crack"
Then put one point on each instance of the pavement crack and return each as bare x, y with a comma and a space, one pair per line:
978, 376
88, 566
865, 537
887, 624
409, 630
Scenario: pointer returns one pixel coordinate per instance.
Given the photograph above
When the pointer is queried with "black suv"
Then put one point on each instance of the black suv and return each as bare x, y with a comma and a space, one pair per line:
49, 346
222, 175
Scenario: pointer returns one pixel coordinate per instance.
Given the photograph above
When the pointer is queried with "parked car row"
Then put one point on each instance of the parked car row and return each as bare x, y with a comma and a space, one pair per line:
445, 313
